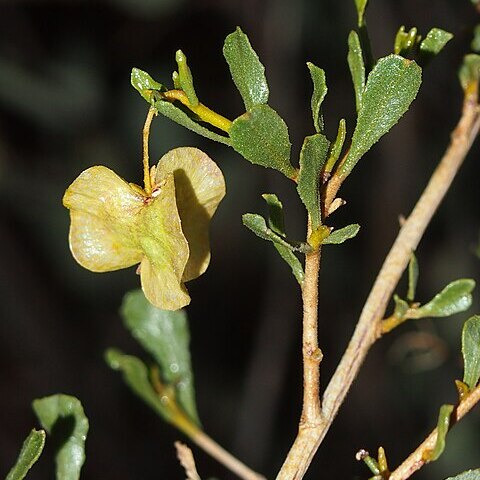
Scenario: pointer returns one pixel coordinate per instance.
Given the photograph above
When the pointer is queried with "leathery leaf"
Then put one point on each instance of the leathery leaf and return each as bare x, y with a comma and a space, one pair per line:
390, 89
247, 71
261, 137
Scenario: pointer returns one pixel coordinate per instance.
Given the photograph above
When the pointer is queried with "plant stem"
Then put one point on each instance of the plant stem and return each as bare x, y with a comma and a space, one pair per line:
367, 329
225, 458
295, 465
146, 162
419, 457
203, 112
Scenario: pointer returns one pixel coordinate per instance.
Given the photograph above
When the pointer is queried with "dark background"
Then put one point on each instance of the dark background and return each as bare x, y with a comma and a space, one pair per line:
66, 104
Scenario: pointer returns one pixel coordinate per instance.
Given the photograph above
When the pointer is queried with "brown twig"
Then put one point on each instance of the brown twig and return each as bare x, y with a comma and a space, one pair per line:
311, 419
419, 457
367, 329
185, 457
225, 458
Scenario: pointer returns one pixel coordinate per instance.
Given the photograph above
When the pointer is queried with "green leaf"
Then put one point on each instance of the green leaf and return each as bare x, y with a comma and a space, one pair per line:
341, 235
247, 71
275, 213
256, 223
276, 223
179, 116
391, 87
63, 418
136, 376
469, 73
468, 475
312, 158
455, 297
31, 450
319, 92
165, 335
357, 67
406, 43
361, 7
144, 84
433, 44
471, 351
185, 78
443, 426
336, 147
261, 137
412, 277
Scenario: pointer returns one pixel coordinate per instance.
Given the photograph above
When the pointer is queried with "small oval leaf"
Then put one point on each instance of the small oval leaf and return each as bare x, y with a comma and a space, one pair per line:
31, 450
63, 416
469, 73
247, 71
144, 83
433, 44
319, 92
342, 234
312, 158
471, 351
261, 137
391, 87
454, 298
166, 336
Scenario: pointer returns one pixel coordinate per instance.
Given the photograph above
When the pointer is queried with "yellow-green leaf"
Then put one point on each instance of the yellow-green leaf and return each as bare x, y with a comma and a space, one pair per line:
144, 83
185, 78
31, 450
361, 7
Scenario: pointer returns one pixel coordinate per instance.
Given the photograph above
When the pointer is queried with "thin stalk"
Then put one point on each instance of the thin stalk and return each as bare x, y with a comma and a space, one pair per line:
419, 457
203, 112
146, 161
310, 421
367, 330
225, 458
